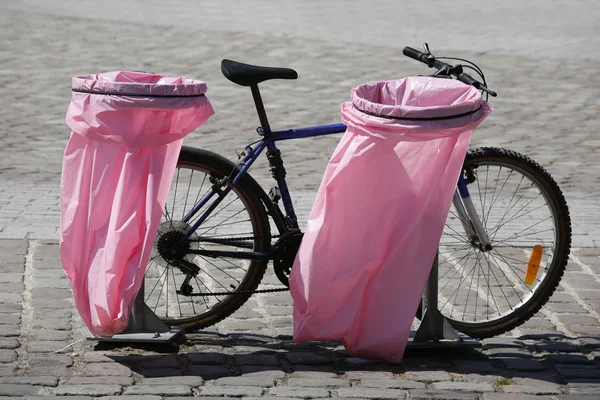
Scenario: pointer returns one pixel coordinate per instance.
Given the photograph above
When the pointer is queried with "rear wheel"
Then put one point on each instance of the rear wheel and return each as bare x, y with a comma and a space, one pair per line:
484, 292
197, 291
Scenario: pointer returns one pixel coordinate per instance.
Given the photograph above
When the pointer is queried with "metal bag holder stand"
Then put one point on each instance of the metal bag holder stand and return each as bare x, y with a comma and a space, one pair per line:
435, 331
144, 326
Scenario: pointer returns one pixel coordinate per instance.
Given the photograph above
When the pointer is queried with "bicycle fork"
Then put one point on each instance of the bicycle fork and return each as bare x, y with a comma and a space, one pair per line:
468, 216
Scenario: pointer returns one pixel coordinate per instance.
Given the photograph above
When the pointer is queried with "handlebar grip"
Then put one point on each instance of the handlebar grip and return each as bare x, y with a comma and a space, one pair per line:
413, 53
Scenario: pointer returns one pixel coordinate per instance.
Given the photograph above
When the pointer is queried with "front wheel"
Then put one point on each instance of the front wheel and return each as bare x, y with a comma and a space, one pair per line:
484, 292
198, 291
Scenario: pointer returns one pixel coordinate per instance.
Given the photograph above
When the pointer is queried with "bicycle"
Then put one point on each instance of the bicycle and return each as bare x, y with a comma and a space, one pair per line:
215, 241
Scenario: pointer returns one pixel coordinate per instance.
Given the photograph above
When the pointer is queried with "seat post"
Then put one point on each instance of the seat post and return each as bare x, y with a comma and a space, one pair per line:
260, 109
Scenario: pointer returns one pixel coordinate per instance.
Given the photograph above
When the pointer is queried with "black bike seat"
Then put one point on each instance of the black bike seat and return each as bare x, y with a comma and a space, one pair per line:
248, 75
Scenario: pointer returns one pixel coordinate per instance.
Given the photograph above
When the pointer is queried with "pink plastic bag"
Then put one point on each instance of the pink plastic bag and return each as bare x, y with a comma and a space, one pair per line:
127, 131
374, 228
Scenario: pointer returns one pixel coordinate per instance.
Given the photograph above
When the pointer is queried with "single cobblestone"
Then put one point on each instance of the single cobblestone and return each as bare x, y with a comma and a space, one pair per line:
391, 384
7, 389
294, 392
207, 358
30, 380
317, 383
88, 390
428, 376
233, 391
159, 390
103, 380
371, 393
462, 386
441, 395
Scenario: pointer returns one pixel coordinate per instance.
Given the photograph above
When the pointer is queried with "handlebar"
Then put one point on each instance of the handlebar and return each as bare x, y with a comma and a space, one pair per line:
446, 69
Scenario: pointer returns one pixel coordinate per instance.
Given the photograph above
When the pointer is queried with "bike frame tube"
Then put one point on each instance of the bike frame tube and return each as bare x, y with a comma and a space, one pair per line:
252, 154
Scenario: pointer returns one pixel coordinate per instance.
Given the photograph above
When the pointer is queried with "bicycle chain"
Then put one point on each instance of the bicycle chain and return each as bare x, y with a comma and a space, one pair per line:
241, 291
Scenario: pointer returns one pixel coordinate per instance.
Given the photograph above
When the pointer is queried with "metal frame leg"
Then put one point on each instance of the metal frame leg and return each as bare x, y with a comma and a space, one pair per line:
144, 326
435, 330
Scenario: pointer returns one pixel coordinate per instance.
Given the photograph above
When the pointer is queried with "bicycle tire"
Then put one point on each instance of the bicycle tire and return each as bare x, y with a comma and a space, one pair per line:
211, 164
477, 159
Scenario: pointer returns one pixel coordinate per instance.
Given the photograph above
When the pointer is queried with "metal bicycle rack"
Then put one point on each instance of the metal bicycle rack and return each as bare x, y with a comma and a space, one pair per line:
143, 327
434, 331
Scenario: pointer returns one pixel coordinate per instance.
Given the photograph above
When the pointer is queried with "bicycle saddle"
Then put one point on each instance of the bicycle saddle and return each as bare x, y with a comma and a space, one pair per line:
248, 75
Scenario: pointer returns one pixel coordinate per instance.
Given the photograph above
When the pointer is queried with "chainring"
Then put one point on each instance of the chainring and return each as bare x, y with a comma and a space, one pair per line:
285, 250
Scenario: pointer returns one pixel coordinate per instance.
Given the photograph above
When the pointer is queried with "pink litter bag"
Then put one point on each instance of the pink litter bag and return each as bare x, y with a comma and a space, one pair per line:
378, 216
127, 131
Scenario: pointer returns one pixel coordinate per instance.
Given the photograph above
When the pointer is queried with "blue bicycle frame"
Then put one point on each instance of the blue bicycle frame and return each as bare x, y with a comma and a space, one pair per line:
251, 154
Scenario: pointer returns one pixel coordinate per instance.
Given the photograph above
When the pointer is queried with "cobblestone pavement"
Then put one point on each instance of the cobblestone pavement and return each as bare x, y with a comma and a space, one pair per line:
547, 109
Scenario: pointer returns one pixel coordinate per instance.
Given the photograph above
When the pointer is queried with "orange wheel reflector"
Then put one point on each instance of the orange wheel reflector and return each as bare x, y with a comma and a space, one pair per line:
534, 264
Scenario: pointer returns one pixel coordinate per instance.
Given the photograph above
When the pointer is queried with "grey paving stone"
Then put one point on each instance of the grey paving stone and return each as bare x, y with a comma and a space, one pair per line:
209, 371
7, 356
152, 362
134, 397
462, 386
207, 358
49, 360
30, 380
556, 347
45, 346
11, 298
318, 383
7, 389
584, 389
440, 395
160, 372
256, 359
233, 391
269, 373
570, 308
589, 342
428, 376
11, 278
102, 380
52, 323
192, 381
10, 319
59, 371
40, 335
9, 308
306, 358
51, 304
371, 393
8, 369
515, 396
567, 358
88, 390
536, 390
355, 375
159, 390
106, 369
51, 293
305, 393
314, 374
508, 352
9, 343
578, 373
522, 364
245, 381
473, 366
9, 330
391, 384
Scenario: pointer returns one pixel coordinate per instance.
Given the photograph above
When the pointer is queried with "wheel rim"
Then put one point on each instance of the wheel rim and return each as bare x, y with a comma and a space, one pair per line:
219, 278
478, 287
